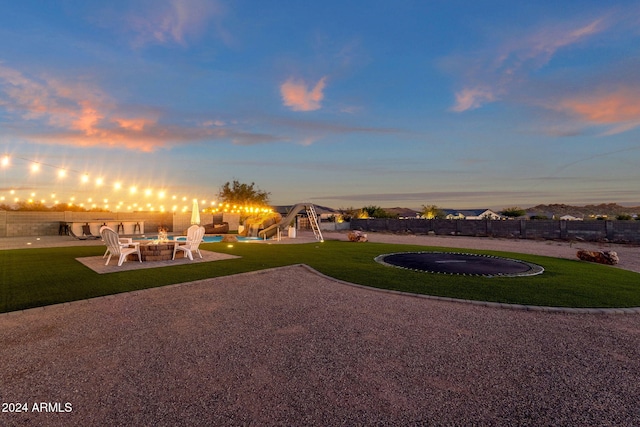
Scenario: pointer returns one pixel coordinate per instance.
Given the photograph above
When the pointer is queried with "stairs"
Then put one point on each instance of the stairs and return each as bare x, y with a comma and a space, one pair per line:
313, 220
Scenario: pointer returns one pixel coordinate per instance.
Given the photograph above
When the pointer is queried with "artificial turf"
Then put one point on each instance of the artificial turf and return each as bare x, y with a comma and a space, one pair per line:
37, 277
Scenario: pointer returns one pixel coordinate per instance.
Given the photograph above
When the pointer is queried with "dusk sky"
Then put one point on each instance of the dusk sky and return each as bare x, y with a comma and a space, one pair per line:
459, 104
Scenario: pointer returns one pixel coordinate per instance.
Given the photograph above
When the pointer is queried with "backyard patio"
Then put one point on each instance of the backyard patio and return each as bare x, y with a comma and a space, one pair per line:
288, 345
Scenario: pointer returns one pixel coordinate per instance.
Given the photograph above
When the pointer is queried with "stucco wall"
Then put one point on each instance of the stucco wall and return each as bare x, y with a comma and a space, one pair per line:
16, 224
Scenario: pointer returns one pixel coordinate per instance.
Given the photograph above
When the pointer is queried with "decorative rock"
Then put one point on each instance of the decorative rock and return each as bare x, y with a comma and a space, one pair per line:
602, 257
229, 238
357, 236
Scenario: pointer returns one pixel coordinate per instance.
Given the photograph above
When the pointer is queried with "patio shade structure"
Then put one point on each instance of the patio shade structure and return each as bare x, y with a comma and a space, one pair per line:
195, 213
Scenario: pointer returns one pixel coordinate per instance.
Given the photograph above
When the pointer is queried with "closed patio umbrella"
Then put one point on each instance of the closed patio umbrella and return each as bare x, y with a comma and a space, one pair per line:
195, 213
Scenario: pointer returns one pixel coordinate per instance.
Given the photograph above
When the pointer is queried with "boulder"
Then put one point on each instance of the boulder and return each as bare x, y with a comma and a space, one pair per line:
601, 257
357, 236
221, 228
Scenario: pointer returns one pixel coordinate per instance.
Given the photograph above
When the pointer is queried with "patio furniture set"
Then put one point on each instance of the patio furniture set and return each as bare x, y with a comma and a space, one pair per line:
124, 248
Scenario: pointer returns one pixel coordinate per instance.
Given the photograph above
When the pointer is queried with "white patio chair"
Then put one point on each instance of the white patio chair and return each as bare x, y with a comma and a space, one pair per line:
194, 236
124, 240
115, 247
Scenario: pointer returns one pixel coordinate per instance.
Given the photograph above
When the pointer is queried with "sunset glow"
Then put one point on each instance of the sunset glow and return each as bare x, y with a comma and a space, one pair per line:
459, 105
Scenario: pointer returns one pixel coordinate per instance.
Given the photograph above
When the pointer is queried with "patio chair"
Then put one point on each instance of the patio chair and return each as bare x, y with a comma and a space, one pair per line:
115, 247
123, 240
86, 232
194, 236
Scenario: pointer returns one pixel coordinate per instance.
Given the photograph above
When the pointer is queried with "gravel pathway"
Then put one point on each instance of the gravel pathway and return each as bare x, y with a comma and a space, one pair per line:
291, 347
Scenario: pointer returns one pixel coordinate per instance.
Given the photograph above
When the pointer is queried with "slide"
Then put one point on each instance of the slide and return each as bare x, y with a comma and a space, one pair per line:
272, 230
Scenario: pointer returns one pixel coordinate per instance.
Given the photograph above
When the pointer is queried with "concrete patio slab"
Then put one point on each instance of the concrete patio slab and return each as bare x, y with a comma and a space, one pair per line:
97, 263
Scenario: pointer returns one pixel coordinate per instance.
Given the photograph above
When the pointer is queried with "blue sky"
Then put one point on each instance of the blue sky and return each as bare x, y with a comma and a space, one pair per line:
460, 104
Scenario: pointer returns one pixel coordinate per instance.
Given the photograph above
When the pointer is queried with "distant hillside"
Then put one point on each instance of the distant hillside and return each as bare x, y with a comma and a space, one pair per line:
402, 212
609, 209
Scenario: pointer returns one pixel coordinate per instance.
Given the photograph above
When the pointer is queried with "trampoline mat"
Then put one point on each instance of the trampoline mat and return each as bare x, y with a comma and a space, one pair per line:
460, 263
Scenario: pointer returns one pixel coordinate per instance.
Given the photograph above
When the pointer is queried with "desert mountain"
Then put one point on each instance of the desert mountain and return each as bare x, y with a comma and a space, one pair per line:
609, 209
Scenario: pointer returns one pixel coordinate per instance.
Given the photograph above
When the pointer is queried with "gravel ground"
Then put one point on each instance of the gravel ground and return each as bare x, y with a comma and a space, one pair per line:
291, 347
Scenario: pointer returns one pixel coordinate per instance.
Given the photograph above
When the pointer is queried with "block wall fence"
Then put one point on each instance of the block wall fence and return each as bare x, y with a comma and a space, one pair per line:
18, 224
611, 231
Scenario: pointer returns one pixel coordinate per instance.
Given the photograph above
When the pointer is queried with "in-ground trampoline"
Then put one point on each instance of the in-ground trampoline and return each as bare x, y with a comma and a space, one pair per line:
460, 263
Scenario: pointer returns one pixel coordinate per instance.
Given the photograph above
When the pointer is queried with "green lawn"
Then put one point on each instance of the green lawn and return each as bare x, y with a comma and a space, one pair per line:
37, 277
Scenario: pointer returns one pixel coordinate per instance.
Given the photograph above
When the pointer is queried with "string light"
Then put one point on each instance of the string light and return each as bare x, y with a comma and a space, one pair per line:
85, 177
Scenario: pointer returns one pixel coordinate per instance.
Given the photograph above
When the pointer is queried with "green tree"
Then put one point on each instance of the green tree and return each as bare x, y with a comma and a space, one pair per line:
243, 194
375, 212
538, 217
348, 213
513, 212
432, 211
31, 206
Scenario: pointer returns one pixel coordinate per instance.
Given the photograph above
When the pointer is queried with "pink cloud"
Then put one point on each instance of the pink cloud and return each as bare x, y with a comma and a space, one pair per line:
619, 109
172, 21
148, 139
135, 124
509, 65
81, 114
540, 46
471, 98
87, 119
297, 96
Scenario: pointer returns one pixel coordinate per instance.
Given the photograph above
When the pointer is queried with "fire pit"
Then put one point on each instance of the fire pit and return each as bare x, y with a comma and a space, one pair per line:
155, 251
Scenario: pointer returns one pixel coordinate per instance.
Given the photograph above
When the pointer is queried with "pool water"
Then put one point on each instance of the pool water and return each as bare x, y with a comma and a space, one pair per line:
205, 239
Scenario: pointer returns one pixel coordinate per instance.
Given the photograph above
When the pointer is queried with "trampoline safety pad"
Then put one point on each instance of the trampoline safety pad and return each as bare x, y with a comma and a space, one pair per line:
460, 264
